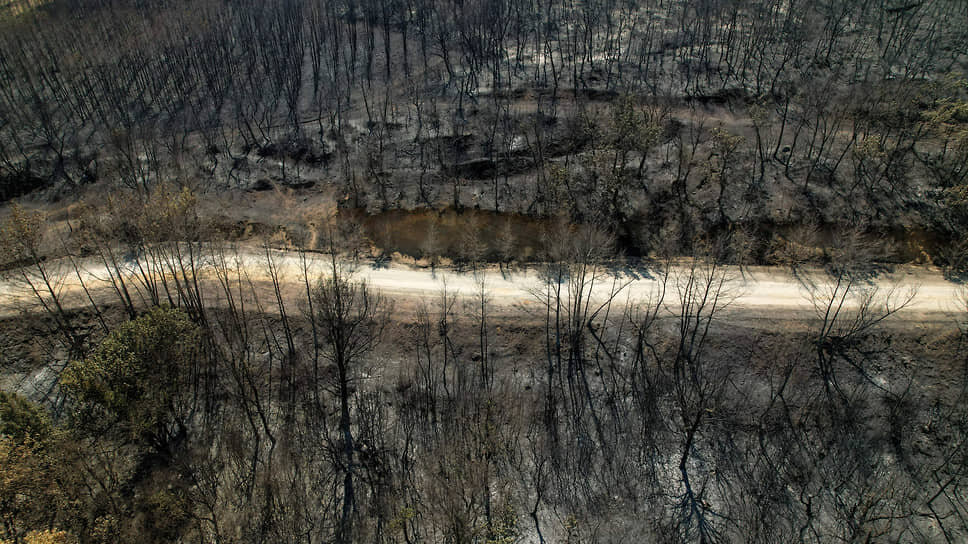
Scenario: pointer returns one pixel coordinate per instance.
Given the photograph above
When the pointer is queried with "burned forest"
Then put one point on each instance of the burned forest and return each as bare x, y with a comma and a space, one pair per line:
483, 271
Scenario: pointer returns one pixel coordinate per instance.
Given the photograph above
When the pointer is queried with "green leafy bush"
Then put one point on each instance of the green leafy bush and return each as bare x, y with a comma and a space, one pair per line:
138, 379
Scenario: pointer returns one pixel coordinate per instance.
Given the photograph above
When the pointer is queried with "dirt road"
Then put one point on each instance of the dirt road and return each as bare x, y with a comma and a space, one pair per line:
761, 292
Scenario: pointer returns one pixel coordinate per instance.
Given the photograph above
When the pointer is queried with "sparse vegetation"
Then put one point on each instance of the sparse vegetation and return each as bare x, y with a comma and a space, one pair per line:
192, 193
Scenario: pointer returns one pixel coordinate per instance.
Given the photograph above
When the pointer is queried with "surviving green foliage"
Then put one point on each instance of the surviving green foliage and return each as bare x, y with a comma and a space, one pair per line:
20, 418
138, 378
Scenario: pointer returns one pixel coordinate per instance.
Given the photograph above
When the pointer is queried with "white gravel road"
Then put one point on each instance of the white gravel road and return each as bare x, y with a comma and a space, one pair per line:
763, 291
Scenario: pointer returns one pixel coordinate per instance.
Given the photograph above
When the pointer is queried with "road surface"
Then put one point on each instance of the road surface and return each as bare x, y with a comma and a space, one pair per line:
765, 292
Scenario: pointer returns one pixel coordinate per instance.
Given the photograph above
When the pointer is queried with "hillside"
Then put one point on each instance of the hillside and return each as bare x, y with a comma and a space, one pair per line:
483, 271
